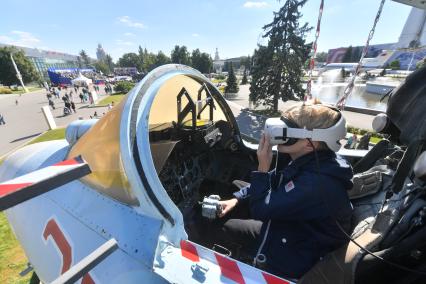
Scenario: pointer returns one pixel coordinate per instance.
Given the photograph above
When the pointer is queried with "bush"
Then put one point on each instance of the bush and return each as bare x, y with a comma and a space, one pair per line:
123, 87
4, 90
220, 77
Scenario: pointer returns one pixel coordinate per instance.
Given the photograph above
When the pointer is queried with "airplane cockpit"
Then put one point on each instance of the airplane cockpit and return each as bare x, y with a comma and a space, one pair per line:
196, 146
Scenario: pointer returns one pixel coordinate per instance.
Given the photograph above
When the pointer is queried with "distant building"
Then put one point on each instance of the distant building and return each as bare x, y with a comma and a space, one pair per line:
100, 53
218, 63
45, 59
216, 55
410, 48
125, 71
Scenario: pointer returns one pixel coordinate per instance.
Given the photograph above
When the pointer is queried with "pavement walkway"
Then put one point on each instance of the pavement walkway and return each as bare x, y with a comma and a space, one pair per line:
25, 120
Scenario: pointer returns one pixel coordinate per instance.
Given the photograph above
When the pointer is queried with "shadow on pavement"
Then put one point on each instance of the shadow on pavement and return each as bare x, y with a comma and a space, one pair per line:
25, 137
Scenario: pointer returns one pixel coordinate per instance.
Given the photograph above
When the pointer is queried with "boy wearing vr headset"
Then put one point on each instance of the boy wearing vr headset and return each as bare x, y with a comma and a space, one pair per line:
294, 209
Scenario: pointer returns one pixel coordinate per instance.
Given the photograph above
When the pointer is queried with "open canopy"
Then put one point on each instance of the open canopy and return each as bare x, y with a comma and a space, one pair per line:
81, 80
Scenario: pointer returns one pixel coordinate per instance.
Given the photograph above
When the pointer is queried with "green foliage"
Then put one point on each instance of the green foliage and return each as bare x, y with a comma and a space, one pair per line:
4, 90
130, 60
102, 66
123, 87
161, 59
180, 55
201, 61
220, 77
7, 71
116, 98
278, 67
360, 131
55, 134
109, 62
147, 60
421, 63
231, 82
244, 80
321, 56
12, 257
84, 58
395, 65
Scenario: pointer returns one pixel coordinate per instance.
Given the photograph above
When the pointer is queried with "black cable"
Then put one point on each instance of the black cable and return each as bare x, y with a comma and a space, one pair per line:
347, 235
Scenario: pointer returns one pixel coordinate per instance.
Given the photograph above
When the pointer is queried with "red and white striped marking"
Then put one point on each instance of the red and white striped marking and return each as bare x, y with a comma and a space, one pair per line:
229, 268
18, 183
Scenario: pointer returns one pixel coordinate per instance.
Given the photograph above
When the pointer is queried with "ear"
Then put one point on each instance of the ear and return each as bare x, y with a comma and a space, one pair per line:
308, 145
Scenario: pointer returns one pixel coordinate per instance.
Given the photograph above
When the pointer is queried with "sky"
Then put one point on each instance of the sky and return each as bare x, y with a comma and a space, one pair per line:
232, 26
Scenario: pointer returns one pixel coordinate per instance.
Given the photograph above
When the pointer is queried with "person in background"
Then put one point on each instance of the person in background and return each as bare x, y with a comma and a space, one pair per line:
2, 119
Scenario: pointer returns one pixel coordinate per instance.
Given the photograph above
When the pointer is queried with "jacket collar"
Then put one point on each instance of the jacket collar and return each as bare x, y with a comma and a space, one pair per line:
293, 167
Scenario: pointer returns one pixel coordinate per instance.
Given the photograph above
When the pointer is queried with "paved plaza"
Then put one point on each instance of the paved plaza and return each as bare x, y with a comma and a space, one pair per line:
25, 120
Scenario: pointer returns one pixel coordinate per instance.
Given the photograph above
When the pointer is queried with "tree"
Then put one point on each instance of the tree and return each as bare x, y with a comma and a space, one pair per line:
348, 55
231, 82
7, 70
395, 65
84, 57
201, 61
180, 55
102, 66
244, 80
321, 56
278, 67
129, 60
421, 63
161, 59
109, 62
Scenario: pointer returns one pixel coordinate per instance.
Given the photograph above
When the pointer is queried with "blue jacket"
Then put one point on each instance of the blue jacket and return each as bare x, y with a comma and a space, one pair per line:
300, 205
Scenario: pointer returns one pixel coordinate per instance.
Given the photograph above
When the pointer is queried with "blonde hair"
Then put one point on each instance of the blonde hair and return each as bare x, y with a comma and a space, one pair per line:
313, 114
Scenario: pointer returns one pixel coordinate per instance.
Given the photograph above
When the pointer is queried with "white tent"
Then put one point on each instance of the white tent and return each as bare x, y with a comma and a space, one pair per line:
81, 81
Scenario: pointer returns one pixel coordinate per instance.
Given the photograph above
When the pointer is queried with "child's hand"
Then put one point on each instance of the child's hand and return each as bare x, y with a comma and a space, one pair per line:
227, 205
264, 153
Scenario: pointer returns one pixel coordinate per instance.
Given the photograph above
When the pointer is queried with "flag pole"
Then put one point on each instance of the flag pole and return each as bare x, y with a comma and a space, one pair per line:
18, 74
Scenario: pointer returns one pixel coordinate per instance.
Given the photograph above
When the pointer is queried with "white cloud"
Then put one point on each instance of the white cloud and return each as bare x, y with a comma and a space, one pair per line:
250, 4
129, 34
124, 42
20, 38
126, 20
195, 35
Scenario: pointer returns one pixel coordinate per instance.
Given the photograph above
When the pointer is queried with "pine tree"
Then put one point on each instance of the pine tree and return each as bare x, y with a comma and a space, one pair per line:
244, 81
84, 57
278, 67
231, 82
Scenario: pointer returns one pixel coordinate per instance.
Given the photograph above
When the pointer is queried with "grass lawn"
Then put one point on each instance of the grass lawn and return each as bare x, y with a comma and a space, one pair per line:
375, 140
12, 257
30, 89
116, 98
54, 134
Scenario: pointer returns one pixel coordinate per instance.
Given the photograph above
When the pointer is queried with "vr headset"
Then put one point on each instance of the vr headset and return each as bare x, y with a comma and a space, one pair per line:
283, 131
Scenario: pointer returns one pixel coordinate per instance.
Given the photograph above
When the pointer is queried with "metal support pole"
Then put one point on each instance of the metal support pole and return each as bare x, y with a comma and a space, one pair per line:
18, 74
88, 263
